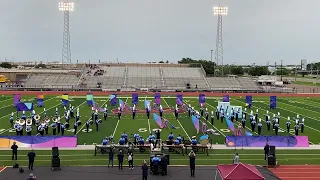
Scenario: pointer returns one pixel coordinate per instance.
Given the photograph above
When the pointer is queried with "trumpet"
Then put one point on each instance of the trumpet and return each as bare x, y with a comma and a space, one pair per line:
90, 122
99, 121
47, 119
22, 122
37, 117
29, 122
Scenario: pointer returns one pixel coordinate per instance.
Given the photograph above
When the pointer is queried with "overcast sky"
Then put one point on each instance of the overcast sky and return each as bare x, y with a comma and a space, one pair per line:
255, 31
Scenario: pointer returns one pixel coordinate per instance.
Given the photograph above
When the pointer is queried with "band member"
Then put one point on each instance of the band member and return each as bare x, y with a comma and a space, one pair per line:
92, 114
65, 110
136, 138
296, 128
59, 124
88, 125
62, 129
75, 127
77, 116
97, 124
11, 119
273, 120
105, 113
268, 122
24, 117
72, 111
204, 128
160, 110
192, 111
288, 123
15, 126
232, 115
259, 127
46, 128
251, 116
278, 117
244, 113
148, 111
221, 115
20, 130
189, 110
28, 130
68, 116
119, 113
207, 114
298, 118
165, 122
37, 124
257, 113
243, 121
276, 127
201, 110
33, 114
41, 130
212, 117
44, 112
176, 113
302, 125
267, 115
237, 114
54, 128
57, 113
133, 111
253, 124
217, 112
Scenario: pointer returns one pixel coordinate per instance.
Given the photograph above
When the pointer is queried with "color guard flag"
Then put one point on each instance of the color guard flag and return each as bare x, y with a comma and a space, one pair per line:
249, 101
96, 106
179, 99
195, 122
273, 102
16, 99
225, 98
146, 103
121, 104
40, 100
113, 99
230, 125
24, 106
202, 99
90, 99
157, 98
135, 98
158, 120
65, 99
248, 133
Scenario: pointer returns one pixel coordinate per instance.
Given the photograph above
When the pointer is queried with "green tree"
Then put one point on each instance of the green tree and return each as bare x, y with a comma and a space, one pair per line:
6, 65
237, 70
43, 66
208, 66
258, 70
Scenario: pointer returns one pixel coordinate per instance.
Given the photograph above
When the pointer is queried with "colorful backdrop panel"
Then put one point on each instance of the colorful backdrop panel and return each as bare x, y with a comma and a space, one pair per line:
38, 141
260, 141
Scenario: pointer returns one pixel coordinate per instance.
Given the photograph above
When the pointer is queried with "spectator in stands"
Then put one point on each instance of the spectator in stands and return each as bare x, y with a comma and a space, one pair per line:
31, 177
14, 148
192, 158
144, 170
236, 159
120, 159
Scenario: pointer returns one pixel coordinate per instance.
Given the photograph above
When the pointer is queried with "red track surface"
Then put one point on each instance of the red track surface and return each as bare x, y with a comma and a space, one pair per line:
297, 172
74, 93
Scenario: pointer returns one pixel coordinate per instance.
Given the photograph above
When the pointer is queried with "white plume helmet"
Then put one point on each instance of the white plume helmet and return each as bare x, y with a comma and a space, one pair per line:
72, 107
277, 120
33, 111
106, 105
206, 109
278, 113
92, 108
297, 121
257, 110
96, 110
268, 117
259, 120
267, 112
217, 107
227, 114
118, 108
78, 109
245, 109
201, 104
23, 112
297, 115
12, 114
176, 105
56, 109
253, 117
288, 118
211, 112
302, 119
64, 107
251, 112
274, 115
78, 113
160, 106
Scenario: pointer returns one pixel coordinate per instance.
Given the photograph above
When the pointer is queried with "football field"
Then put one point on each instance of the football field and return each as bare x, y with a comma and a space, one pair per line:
307, 108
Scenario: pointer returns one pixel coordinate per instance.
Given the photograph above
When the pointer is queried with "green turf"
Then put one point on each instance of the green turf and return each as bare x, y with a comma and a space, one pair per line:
86, 157
306, 83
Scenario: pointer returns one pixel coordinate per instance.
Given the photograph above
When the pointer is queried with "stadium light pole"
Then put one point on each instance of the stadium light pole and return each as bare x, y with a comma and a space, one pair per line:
66, 7
219, 11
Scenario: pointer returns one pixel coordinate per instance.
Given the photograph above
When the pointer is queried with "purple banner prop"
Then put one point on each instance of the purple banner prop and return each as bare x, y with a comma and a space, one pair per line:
16, 99
157, 98
260, 141
39, 141
225, 98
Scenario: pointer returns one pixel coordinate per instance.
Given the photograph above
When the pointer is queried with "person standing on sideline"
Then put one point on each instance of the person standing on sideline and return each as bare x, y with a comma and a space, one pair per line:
14, 148
192, 157
266, 151
144, 170
130, 159
31, 156
120, 159
236, 159
111, 154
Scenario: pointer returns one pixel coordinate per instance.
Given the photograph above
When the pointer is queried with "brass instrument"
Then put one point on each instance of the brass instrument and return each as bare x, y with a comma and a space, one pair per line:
55, 119
29, 122
47, 119
99, 121
22, 122
90, 122
67, 125
79, 123
37, 117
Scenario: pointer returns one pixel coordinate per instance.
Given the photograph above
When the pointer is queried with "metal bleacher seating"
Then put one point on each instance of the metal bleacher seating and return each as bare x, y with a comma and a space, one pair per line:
52, 80
144, 77
231, 83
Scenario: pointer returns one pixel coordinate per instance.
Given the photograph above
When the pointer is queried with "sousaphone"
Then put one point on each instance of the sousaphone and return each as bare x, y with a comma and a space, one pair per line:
22, 122
37, 117
29, 122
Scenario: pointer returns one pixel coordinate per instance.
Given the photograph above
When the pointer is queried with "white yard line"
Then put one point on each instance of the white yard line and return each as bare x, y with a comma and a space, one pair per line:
115, 129
177, 119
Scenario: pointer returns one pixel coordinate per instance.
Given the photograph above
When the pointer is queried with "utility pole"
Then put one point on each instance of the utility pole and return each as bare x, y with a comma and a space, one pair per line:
281, 70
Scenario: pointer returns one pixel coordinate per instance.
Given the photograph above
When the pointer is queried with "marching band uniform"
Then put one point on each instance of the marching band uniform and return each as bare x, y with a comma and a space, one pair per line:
251, 116
160, 110
273, 120
217, 112
176, 113
222, 115
296, 128
97, 125
28, 129
259, 127
133, 111
268, 122
44, 112
65, 111
75, 127
57, 112
212, 117
20, 129
105, 113
41, 130
62, 129
92, 114
33, 114
46, 128
237, 114
37, 124
119, 113
59, 124
23, 115
11, 119
302, 125
253, 124
267, 116
192, 111
288, 123
257, 113
88, 125
276, 127
243, 121
245, 113
148, 111
54, 128
189, 110
72, 112
201, 110
207, 114
278, 117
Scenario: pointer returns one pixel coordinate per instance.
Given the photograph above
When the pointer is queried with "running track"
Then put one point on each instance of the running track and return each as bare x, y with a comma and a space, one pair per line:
295, 172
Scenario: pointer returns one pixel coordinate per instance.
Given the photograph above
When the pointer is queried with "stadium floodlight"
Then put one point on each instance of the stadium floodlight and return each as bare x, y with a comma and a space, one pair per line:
66, 7
219, 11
